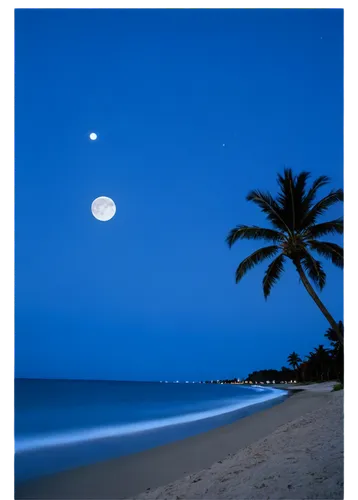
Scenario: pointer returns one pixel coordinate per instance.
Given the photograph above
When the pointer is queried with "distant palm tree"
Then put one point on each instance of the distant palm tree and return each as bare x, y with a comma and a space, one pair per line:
321, 361
303, 370
337, 353
294, 214
294, 360
331, 333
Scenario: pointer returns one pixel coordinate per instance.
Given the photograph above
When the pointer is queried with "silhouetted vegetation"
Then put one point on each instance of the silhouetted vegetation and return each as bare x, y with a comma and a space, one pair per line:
276, 376
338, 387
294, 235
224, 381
294, 215
320, 365
294, 360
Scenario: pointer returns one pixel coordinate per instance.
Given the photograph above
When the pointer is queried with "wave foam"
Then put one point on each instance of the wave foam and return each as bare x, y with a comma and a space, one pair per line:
97, 433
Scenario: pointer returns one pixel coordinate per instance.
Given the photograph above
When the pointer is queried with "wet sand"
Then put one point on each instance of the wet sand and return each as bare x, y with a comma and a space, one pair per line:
130, 476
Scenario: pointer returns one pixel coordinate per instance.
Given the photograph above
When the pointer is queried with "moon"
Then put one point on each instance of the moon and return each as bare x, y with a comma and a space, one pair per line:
103, 208
93, 136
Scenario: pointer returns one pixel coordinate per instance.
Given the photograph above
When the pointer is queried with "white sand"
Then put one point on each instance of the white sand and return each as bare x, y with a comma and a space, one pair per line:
302, 459
322, 387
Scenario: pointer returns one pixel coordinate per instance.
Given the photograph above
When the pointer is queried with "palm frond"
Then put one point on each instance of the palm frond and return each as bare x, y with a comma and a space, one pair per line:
331, 334
332, 227
254, 259
331, 251
314, 270
284, 185
294, 358
270, 207
320, 207
321, 353
272, 275
301, 182
243, 232
300, 193
291, 197
316, 185
286, 196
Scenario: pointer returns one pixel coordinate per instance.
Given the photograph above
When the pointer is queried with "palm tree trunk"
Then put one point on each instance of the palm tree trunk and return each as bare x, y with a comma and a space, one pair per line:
317, 300
296, 371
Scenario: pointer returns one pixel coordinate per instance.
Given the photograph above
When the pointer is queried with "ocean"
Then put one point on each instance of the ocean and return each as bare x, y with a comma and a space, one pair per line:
62, 424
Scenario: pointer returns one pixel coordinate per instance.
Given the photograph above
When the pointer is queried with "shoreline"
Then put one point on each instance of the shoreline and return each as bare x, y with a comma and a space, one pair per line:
84, 449
128, 476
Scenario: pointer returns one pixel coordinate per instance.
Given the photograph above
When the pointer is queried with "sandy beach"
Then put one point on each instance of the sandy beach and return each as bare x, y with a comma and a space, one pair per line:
293, 450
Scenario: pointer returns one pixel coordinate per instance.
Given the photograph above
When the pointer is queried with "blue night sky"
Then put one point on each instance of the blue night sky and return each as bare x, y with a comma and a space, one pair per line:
151, 294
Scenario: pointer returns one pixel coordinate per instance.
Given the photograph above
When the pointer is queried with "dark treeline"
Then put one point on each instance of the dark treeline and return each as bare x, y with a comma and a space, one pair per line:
277, 376
224, 381
320, 365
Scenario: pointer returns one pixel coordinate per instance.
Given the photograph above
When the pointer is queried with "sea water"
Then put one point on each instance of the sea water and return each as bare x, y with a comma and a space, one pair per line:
61, 424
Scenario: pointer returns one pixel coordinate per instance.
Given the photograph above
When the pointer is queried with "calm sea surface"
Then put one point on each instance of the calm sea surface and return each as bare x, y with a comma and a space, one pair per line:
61, 424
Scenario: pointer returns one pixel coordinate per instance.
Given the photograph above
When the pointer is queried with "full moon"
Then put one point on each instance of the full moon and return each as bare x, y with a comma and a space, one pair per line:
103, 208
93, 136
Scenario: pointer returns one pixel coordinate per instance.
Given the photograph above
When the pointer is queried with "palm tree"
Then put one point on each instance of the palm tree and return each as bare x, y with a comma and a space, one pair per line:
303, 372
311, 367
293, 360
294, 214
321, 360
331, 334
337, 353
